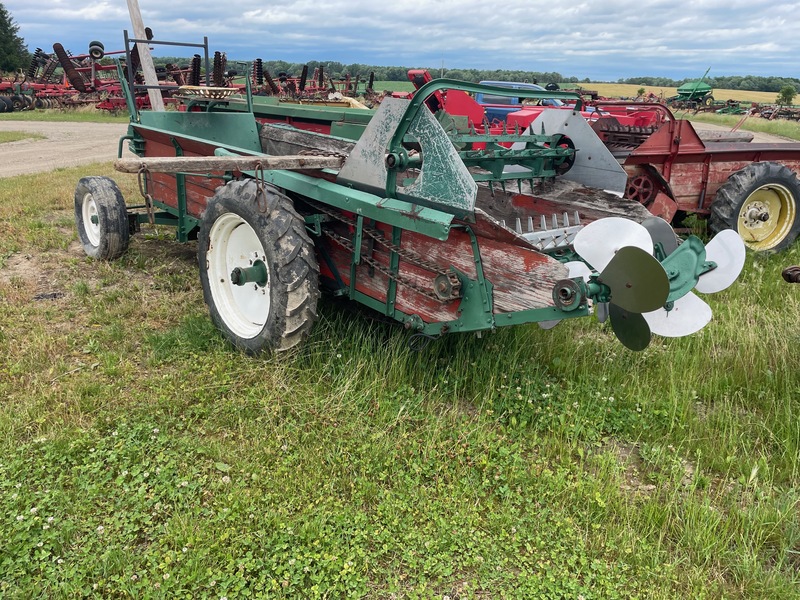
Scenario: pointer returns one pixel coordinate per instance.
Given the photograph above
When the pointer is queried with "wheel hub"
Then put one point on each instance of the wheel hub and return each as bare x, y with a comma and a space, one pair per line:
255, 274
91, 219
766, 217
237, 258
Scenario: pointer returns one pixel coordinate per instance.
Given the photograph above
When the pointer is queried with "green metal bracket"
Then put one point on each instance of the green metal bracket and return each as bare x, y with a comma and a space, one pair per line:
358, 237
394, 268
314, 223
685, 266
133, 112
182, 232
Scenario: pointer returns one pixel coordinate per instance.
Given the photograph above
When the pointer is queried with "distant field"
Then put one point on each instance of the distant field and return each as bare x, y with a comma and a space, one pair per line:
622, 90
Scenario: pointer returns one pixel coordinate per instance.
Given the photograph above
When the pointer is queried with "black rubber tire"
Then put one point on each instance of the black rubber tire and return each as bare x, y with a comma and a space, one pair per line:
18, 102
9, 104
708, 100
740, 188
96, 50
274, 234
109, 237
3, 105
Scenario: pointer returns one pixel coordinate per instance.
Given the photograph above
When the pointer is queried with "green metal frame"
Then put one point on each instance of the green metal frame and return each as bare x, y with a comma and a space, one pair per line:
236, 132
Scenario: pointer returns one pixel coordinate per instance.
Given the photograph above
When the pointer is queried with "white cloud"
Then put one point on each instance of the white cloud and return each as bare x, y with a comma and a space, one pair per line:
616, 38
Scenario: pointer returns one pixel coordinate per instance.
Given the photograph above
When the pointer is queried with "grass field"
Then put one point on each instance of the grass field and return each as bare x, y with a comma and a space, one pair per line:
142, 457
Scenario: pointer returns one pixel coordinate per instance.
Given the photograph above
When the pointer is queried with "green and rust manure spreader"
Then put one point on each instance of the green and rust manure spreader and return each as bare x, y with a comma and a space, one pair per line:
429, 219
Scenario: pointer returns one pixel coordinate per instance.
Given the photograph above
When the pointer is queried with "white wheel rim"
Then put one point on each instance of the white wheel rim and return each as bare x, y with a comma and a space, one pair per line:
233, 243
91, 220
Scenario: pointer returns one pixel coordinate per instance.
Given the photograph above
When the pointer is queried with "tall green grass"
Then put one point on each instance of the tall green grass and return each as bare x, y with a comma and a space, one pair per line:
141, 456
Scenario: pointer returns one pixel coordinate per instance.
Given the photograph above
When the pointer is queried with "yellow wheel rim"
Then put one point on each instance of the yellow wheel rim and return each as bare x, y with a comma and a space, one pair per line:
766, 217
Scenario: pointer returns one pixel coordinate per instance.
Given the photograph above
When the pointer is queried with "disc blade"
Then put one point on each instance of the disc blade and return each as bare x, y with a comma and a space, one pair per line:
728, 251
662, 233
637, 280
630, 328
599, 241
689, 315
548, 324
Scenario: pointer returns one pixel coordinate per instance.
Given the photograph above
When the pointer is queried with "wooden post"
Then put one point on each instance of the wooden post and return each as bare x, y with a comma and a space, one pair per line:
206, 164
148, 69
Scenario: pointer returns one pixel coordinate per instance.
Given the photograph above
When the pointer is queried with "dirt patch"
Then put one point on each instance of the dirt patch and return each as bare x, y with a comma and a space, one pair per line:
65, 144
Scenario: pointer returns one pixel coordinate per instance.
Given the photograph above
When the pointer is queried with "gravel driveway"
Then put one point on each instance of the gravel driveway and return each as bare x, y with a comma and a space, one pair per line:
66, 145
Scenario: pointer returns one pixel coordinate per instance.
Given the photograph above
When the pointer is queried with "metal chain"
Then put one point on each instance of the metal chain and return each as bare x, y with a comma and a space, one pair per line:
261, 194
348, 245
409, 257
142, 176
312, 152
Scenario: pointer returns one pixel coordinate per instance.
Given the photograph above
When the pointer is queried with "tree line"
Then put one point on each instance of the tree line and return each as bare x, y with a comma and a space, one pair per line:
14, 55
335, 69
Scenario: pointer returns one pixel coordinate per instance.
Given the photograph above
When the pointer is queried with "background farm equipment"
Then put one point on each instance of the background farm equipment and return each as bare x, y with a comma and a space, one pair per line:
693, 95
426, 217
61, 79
667, 166
751, 188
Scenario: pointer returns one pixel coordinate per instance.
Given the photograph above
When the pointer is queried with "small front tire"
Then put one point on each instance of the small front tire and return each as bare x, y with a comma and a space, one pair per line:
101, 218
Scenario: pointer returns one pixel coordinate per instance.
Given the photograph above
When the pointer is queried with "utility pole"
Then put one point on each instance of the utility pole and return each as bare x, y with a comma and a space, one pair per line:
148, 69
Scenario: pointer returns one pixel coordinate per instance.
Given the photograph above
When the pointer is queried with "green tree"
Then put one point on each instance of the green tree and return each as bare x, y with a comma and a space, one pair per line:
13, 52
786, 95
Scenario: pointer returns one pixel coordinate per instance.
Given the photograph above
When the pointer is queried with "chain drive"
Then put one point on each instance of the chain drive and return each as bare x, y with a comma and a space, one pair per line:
447, 285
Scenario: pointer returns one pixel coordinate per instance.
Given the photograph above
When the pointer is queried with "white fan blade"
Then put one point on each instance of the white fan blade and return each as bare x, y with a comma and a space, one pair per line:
689, 315
637, 280
599, 241
578, 269
728, 251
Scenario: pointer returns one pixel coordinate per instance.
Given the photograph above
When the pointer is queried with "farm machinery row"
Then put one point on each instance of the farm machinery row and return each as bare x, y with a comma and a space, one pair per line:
438, 221
61, 79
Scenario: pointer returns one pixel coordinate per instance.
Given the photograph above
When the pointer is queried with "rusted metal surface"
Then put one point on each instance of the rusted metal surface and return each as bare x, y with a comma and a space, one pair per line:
676, 161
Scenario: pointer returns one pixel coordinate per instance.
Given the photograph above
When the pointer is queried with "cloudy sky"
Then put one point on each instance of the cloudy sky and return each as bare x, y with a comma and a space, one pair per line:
604, 40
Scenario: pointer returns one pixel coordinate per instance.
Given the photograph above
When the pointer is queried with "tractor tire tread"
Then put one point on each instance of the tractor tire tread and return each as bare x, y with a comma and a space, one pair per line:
732, 194
295, 269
